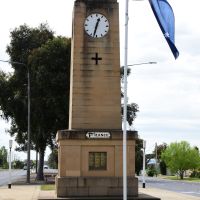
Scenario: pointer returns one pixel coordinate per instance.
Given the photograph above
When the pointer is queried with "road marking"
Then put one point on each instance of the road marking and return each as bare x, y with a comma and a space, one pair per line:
190, 192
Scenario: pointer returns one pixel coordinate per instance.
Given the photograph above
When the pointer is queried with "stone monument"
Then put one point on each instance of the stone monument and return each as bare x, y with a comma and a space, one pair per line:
90, 151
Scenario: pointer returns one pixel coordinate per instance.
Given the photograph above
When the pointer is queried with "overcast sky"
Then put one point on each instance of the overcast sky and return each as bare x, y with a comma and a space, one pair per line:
168, 93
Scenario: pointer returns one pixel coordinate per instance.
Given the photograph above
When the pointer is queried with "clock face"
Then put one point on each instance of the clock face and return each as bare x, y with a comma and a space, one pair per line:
96, 25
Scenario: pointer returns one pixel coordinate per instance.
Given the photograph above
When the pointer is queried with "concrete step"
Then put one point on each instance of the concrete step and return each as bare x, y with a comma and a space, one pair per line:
139, 197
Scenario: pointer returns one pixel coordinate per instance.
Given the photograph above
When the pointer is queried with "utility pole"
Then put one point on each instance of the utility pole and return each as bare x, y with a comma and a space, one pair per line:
29, 130
156, 153
156, 158
10, 147
125, 103
143, 170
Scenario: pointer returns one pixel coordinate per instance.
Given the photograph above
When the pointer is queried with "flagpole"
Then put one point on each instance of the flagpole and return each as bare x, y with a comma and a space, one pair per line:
125, 105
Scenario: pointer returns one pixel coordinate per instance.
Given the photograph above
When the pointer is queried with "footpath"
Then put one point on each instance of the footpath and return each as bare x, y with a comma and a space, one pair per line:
22, 191
33, 192
166, 195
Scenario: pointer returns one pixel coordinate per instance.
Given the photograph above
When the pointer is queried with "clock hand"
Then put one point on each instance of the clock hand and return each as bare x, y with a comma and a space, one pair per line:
95, 29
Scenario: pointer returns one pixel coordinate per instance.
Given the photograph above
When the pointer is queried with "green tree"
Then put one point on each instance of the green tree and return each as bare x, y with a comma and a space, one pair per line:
122, 73
132, 108
50, 73
18, 164
13, 88
48, 60
3, 158
180, 157
138, 156
53, 159
14, 103
158, 150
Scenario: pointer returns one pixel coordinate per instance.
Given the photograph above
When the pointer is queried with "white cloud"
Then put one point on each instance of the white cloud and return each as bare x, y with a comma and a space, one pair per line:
168, 93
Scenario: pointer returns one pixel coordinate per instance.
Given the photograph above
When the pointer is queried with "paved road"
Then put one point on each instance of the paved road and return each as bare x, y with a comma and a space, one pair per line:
15, 175
189, 188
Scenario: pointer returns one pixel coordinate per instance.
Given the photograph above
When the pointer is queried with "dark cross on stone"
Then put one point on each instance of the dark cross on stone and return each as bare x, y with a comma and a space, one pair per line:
96, 58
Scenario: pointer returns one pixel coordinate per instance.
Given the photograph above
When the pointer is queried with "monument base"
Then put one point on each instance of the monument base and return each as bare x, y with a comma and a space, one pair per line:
94, 186
91, 163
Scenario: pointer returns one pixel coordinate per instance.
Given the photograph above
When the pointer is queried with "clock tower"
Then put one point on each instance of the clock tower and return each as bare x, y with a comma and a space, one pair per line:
90, 150
95, 69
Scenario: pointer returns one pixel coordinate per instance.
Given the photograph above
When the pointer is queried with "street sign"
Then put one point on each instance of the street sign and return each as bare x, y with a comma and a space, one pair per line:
98, 135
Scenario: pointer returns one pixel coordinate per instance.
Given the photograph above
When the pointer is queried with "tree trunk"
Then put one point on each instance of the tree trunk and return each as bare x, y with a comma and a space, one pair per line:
40, 174
181, 175
163, 168
36, 167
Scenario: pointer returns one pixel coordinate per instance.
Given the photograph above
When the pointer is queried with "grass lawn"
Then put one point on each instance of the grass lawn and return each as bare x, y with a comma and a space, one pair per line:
48, 187
184, 179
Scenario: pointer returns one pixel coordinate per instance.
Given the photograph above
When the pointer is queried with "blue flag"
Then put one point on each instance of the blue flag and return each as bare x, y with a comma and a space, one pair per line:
165, 18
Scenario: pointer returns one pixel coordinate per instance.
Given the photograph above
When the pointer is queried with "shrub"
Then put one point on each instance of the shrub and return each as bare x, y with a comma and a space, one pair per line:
195, 174
151, 171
